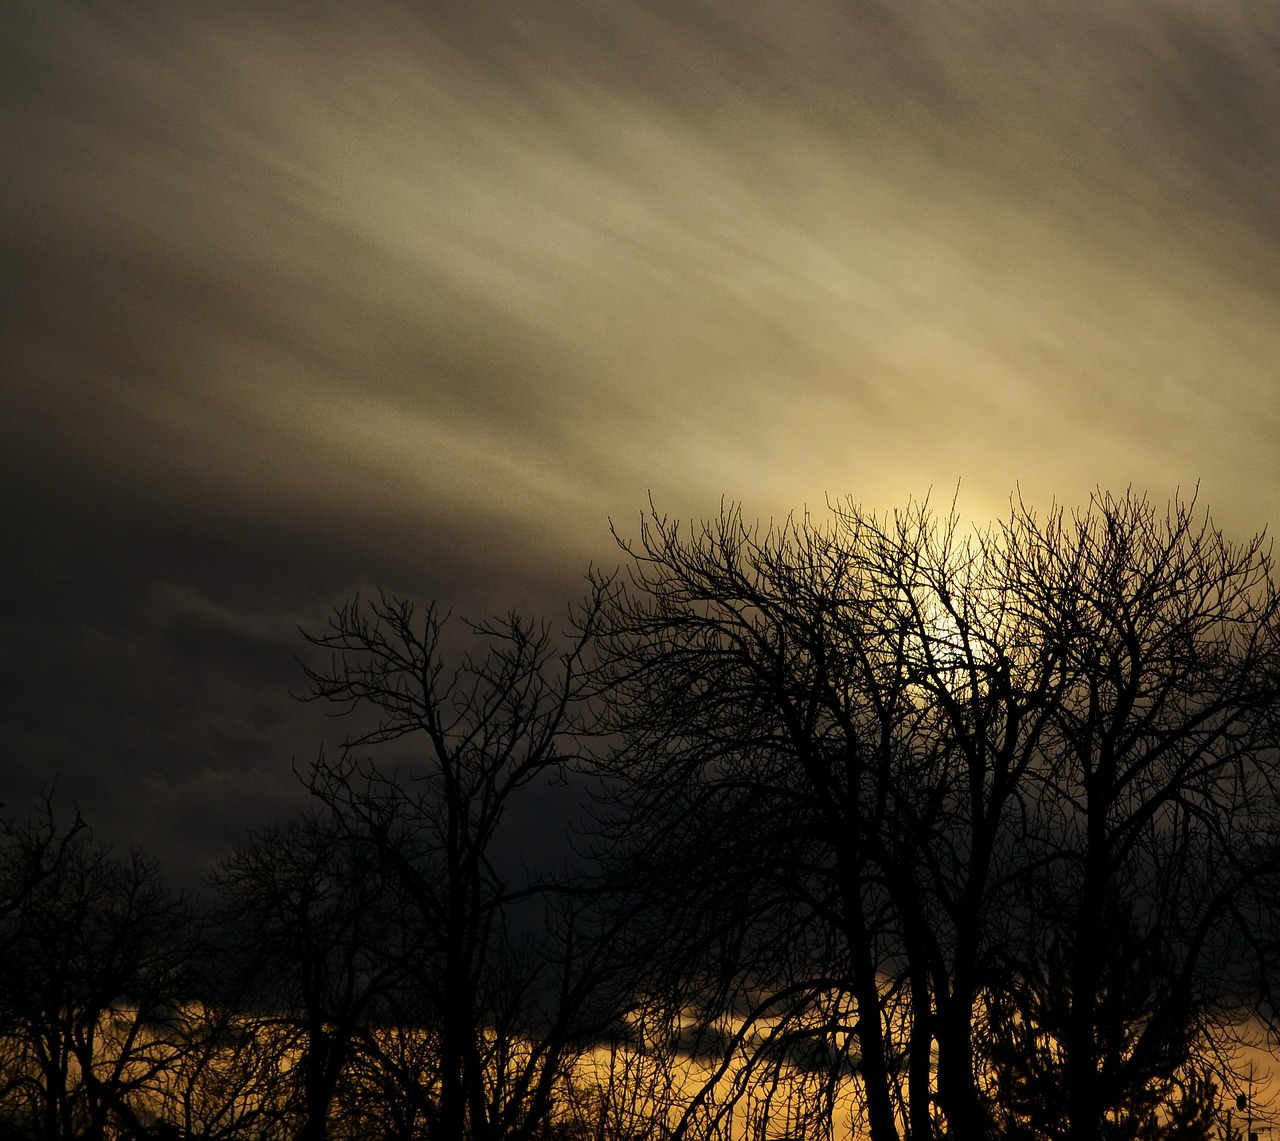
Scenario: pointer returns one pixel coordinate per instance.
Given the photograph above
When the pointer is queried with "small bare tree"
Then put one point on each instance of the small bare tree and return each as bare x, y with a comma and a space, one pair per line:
93, 978
314, 922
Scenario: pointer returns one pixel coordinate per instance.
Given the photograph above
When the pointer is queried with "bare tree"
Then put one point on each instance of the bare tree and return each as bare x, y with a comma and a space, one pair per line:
508, 984
315, 922
893, 763
231, 1079
1154, 800
31, 849
763, 698
93, 980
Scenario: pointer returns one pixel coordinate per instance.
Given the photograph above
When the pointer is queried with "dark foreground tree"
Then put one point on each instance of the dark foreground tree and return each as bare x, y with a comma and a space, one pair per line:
93, 982
892, 782
1153, 807
507, 970
314, 924
932, 834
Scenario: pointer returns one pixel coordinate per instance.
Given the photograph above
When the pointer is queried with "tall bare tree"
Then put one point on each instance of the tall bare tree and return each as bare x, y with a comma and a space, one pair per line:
762, 691
1154, 799
903, 765
509, 982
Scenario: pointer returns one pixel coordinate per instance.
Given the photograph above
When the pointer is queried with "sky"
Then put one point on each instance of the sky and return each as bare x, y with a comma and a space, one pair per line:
299, 299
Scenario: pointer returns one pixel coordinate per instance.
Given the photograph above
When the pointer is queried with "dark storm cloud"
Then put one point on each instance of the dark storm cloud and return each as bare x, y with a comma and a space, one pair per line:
300, 298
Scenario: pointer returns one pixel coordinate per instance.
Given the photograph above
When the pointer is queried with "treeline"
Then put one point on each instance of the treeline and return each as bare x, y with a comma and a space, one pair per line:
891, 829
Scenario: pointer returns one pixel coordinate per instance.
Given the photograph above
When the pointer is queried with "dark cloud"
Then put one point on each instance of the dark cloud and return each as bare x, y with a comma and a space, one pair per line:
299, 300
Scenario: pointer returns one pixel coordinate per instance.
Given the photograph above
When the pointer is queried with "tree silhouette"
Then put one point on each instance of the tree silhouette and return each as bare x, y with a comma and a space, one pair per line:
913, 768
1154, 805
93, 980
509, 990
316, 923
762, 715
940, 833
